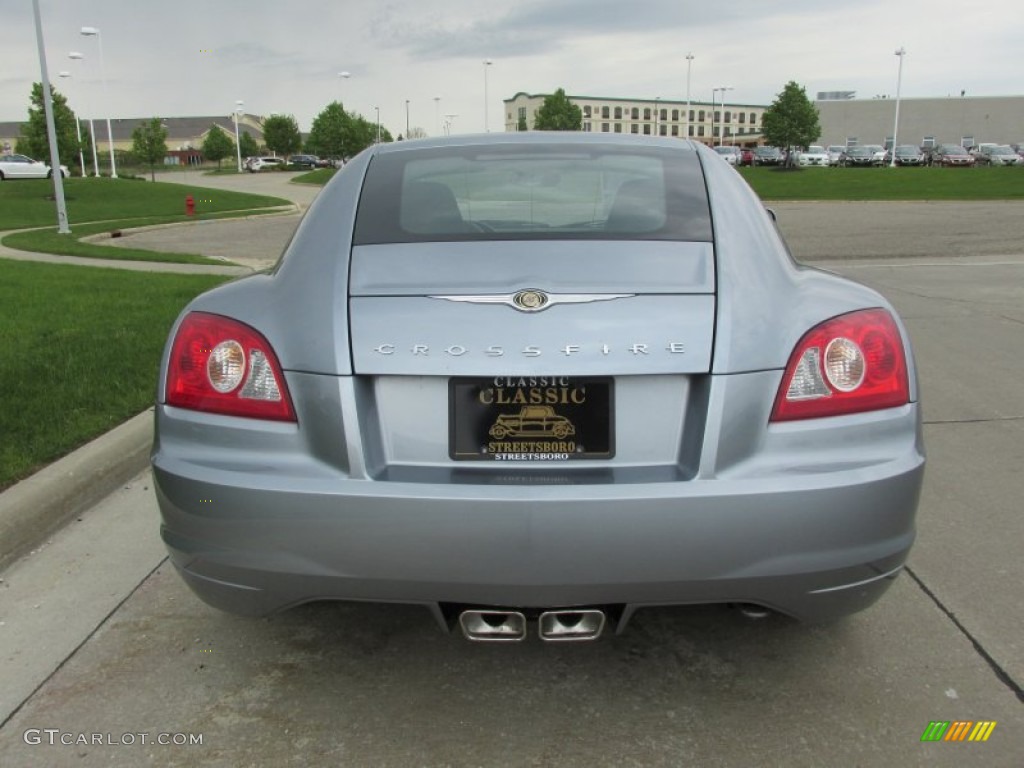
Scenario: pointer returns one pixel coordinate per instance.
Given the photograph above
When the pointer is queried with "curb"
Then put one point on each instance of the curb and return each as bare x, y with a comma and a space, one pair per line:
34, 509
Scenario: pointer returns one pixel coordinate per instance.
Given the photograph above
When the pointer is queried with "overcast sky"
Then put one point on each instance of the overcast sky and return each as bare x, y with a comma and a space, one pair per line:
197, 57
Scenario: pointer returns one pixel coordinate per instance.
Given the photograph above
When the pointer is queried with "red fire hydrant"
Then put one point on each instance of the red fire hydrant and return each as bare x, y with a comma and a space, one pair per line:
190, 205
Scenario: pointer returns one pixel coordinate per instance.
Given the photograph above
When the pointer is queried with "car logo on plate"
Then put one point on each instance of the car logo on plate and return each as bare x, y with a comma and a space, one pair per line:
532, 300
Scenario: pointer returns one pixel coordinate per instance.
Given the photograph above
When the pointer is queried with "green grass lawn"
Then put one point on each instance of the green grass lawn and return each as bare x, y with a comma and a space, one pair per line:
319, 177
28, 202
887, 183
79, 353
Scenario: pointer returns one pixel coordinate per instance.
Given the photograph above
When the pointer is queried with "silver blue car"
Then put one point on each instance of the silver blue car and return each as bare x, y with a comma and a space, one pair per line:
536, 382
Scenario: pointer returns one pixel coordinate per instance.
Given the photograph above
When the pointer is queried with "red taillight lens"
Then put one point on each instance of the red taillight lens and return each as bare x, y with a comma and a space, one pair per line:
220, 365
848, 364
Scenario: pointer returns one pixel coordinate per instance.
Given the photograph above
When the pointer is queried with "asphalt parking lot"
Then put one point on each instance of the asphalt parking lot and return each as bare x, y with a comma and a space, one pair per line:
100, 640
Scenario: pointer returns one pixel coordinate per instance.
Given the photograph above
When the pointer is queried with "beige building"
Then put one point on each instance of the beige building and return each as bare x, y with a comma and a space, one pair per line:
923, 122
729, 123
183, 133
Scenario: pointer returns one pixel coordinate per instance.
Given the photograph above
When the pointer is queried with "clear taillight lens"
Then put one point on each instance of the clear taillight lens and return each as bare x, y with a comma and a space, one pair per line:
220, 365
851, 363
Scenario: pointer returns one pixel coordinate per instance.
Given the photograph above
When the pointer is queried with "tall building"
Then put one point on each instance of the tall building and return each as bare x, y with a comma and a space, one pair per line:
728, 123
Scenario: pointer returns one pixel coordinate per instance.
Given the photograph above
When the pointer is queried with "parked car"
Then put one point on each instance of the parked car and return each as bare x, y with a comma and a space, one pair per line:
730, 154
998, 155
951, 155
835, 153
24, 167
858, 157
328, 430
768, 156
265, 163
878, 151
304, 161
813, 155
747, 156
906, 154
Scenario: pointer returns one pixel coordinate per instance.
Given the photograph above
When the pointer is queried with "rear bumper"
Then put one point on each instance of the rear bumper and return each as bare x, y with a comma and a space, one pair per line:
816, 547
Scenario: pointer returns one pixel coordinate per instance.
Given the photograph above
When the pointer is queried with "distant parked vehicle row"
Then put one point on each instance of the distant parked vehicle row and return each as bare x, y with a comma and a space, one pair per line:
996, 154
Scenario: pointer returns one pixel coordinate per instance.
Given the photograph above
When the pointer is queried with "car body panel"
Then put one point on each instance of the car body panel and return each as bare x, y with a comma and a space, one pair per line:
702, 499
23, 167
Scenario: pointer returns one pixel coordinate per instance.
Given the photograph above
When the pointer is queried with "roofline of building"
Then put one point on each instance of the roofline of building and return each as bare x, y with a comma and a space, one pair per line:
629, 99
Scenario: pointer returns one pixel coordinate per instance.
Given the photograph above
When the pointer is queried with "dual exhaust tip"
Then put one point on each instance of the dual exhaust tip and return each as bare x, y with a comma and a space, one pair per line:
553, 626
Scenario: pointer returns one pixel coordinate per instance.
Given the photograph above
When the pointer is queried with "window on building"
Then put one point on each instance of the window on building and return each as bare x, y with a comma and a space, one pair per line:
702, 116
618, 127
675, 115
634, 128
586, 110
675, 130
586, 127
928, 142
618, 113
691, 129
664, 114
742, 117
888, 142
717, 131
700, 130
728, 131
851, 141
692, 118
604, 127
605, 112
663, 129
647, 113
718, 116
635, 113
967, 142
647, 130
728, 117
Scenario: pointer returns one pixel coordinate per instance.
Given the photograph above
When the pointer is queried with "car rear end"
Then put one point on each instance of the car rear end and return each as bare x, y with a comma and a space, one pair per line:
552, 378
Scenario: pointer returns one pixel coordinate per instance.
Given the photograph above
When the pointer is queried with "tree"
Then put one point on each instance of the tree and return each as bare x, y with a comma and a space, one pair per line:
417, 133
34, 140
791, 121
248, 145
281, 134
521, 124
149, 144
557, 113
217, 145
330, 135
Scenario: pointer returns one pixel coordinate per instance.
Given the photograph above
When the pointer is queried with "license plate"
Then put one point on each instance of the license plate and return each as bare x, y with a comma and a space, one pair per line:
531, 418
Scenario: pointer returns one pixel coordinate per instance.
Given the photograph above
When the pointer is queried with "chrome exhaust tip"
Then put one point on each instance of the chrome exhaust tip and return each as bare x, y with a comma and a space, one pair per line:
566, 626
493, 626
752, 612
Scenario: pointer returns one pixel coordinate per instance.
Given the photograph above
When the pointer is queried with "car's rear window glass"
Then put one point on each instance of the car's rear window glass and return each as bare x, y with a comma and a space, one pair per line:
533, 192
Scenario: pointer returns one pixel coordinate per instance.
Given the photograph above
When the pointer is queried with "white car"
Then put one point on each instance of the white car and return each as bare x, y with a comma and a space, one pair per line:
878, 151
265, 163
813, 155
23, 167
995, 154
835, 151
730, 154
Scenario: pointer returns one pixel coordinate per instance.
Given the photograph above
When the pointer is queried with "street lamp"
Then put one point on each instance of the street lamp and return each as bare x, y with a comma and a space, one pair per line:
76, 56
93, 32
78, 130
449, 123
723, 89
378, 124
407, 119
238, 143
437, 114
900, 52
487, 127
344, 76
689, 65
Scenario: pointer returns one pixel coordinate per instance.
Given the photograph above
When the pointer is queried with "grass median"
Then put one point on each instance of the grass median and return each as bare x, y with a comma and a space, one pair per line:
79, 353
118, 204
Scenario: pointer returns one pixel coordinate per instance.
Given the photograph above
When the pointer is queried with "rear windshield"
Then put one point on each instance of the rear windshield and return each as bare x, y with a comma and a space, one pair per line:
533, 192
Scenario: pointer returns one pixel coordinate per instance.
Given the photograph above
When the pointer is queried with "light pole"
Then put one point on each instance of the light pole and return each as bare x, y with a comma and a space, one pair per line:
78, 130
378, 123
93, 32
344, 76
437, 114
76, 56
406, 119
900, 52
238, 143
657, 104
487, 126
723, 89
686, 124
57, 176
449, 122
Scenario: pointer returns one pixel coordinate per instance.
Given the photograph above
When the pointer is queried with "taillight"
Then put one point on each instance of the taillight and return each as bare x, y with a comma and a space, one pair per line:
220, 365
851, 363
